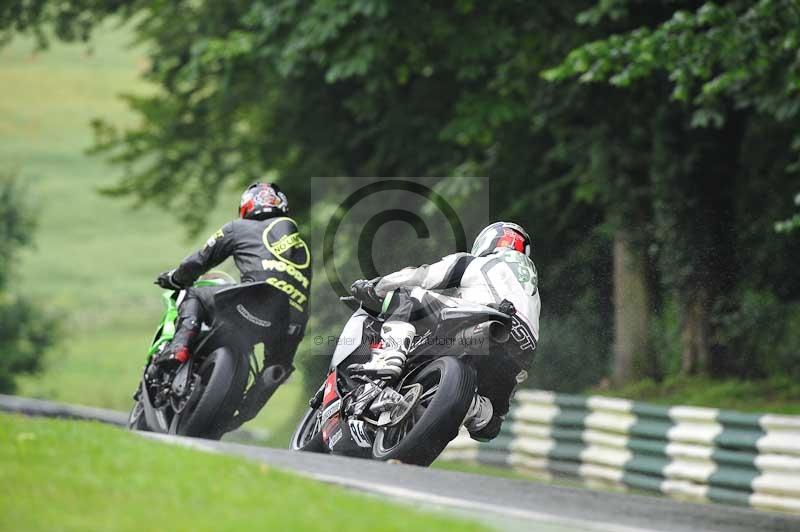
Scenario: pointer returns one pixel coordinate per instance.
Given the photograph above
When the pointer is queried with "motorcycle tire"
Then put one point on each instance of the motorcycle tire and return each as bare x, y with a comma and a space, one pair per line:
136, 419
224, 375
302, 440
438, 416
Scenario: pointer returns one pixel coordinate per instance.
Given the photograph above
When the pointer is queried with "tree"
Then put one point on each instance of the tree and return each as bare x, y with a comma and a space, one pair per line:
359, 89
25, 331
642, 185
728, 66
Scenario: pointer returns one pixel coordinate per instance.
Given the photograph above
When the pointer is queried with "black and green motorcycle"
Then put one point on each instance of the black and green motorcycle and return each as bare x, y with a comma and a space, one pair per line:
222, 385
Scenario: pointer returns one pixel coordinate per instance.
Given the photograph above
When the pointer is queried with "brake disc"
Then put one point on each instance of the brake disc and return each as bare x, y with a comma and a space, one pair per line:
404, 407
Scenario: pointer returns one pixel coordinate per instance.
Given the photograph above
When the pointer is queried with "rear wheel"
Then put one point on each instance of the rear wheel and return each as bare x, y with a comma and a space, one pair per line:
447, 389
223, 376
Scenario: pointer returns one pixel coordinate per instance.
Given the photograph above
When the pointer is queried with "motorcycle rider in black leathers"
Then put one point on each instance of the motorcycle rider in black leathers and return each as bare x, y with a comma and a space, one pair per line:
266, 247
498, 272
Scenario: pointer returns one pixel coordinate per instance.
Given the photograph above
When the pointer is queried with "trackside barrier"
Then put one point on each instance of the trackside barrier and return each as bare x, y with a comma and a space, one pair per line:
688, 453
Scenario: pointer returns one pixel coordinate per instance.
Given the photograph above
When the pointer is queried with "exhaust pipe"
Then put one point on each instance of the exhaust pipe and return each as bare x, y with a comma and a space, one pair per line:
477, 337
498, 332
267, 382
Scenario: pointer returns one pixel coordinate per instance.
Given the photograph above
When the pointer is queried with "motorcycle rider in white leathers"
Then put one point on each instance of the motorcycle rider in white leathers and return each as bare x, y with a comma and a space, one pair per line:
497, 272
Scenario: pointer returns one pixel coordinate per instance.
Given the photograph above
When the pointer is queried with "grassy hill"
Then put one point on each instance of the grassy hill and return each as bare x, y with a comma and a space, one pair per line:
95, 257
67, 475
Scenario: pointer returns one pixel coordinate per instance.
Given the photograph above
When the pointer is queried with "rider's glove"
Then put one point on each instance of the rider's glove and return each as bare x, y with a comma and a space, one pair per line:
165, 280
364, 291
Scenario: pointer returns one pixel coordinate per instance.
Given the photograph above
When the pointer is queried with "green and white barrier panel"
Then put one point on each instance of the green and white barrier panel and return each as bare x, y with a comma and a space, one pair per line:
689, 453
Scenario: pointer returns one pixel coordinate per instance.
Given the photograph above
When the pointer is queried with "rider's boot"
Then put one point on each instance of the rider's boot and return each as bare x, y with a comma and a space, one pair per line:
479, 414
179, 349
389, 359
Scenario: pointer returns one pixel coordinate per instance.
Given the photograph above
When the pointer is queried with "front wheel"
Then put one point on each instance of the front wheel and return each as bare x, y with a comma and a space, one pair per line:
308, 435
136, 419
447, 389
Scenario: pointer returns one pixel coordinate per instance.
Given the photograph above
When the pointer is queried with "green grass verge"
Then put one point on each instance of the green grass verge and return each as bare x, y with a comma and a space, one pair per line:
95, 257
65, 475
775, 395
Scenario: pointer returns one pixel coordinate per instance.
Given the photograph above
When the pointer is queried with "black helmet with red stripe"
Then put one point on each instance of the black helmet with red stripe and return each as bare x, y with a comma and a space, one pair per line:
261, 201
502, 235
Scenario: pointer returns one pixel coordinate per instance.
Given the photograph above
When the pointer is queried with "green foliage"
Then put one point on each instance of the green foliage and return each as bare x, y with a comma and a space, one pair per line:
682, 134
787, 226
16, 223
25, 330
70, 20
711, 52
665, 340
765, 332
742, 52
25, 334
722, 75
779, 394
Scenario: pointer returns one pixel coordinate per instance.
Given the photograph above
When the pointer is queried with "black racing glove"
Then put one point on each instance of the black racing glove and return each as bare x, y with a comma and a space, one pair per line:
364, 291
165, 280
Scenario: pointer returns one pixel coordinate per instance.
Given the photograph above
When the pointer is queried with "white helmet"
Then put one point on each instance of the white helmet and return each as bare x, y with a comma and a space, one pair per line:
502, 235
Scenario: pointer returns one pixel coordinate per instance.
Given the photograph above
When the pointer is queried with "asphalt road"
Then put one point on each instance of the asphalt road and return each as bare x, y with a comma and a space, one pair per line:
517, 503
500, 502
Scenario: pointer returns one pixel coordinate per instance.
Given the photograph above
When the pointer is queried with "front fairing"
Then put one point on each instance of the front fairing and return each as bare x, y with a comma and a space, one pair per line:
340, 434
351, 338
166, 329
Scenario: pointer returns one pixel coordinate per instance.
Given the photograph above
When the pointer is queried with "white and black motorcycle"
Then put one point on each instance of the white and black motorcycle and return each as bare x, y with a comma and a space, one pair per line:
413, 418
